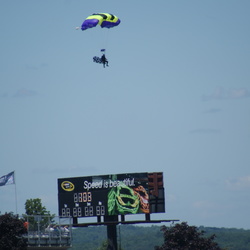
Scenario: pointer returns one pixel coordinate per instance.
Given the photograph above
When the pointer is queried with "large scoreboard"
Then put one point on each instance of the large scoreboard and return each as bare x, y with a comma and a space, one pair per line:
116, 194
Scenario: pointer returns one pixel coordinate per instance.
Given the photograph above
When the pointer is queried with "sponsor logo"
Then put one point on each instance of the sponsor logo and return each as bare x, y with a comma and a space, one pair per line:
67, 186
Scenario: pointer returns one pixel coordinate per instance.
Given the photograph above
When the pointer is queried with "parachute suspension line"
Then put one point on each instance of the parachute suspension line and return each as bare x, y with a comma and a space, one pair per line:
105, 40
107, 37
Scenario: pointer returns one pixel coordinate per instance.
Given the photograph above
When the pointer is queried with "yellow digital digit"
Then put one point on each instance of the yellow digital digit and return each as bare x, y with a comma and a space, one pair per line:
89, 196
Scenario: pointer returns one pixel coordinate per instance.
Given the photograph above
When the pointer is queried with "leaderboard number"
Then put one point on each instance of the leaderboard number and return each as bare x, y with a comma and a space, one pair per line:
100, 210
66, 212
77, 212
88, 211
83, 197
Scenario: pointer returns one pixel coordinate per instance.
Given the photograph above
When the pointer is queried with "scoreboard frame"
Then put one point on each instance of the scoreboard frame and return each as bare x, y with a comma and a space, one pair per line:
114, 194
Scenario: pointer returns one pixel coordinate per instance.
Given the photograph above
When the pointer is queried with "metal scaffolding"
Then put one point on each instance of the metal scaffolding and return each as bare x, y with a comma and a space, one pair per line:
48, 232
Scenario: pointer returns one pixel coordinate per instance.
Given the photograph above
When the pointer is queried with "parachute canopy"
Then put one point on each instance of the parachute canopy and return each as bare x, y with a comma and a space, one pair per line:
105, 20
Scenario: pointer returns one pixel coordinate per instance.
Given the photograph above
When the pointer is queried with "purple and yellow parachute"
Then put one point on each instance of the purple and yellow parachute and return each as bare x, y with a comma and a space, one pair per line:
105, 20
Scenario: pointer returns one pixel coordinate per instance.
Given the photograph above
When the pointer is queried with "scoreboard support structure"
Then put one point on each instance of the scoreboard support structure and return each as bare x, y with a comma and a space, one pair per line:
112, 232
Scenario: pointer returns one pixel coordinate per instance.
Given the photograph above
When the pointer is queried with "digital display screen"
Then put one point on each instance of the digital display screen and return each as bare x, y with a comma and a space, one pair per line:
118, 194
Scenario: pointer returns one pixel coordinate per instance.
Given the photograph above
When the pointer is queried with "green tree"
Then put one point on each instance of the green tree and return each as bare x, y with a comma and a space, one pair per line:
11, 231
185, 237
35, 207
37, 215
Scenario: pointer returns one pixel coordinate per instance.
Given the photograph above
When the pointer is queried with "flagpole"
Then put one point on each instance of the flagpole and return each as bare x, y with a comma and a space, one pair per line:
9, 179
15, 191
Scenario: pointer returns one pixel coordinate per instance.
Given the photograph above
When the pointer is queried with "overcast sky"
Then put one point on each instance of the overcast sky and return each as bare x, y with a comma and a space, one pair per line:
175, 99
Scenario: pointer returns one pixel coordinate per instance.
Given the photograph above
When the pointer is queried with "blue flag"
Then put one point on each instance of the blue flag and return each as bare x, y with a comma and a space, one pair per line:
7, 179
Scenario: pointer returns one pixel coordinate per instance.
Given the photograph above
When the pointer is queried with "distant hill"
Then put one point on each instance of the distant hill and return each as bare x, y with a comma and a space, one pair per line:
147, 237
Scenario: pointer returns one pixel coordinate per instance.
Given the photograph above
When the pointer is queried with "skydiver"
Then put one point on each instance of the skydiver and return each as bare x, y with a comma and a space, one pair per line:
104, 61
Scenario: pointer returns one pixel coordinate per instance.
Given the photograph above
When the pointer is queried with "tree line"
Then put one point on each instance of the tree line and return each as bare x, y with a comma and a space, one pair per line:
151, 237
178, 236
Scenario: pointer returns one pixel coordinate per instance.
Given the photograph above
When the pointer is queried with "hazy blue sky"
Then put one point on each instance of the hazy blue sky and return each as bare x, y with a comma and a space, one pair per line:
176, 98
